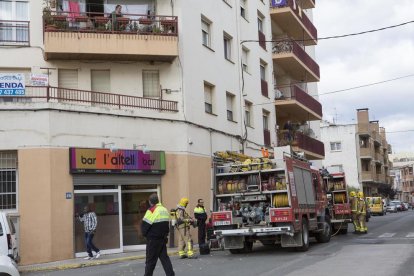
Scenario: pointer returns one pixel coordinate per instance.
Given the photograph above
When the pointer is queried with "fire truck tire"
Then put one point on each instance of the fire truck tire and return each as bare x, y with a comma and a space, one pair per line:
305, 236
325, 236
248, 247
235, 251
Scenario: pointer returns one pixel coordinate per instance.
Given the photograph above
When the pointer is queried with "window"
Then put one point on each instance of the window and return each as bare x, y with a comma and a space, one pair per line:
227, 41
100, 82
151, 83
248, 113
205, 31
265, 120
336, 146
8, 181
208, 98
245, 59
262, 71
68, 78
14, 33
260, 24
243, 8
230, 106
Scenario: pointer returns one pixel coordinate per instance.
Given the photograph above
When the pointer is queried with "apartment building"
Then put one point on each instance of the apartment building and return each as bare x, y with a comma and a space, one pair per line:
361, 150
402, 172
104, 109
298, 111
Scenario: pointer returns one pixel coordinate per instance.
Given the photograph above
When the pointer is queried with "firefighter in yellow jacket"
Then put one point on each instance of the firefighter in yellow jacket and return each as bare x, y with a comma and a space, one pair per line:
184, 221
354, 209
362, 213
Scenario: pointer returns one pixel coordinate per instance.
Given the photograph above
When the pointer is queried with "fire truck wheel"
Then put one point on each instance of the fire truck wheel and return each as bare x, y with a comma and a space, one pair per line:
248, 247
325, 235
305, 236
235, 251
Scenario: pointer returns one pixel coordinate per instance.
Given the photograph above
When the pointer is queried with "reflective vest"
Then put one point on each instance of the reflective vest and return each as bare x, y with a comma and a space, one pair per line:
199, 210
155, 224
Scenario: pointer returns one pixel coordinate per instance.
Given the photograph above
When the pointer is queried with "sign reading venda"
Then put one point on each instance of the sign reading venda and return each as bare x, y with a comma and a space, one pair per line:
12, 84
121, 161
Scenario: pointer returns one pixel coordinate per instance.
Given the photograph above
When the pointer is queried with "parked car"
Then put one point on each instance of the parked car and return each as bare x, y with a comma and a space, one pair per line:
398, 203
391, 207
8, 239
406, 207
8, 266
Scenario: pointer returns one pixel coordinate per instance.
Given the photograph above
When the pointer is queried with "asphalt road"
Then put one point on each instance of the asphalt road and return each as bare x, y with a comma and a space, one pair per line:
388, 249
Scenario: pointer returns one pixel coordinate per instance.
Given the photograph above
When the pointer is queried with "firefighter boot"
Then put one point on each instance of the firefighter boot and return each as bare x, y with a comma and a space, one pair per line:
190, 252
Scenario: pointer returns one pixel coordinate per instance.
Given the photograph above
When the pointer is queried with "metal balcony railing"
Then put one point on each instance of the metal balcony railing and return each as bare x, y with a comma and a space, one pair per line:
133, 24
291, 46
300, 140
92, 98
293, 4
294, 92
14, 32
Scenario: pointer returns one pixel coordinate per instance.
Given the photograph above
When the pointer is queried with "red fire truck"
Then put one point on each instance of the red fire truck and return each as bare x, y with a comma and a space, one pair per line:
279, 201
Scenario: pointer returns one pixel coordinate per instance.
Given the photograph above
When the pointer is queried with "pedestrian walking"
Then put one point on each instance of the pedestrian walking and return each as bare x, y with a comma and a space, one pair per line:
201, 216
155, 227
90, 222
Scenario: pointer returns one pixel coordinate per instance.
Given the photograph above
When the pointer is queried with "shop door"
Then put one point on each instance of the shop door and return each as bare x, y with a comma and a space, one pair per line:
105, 203
134, 206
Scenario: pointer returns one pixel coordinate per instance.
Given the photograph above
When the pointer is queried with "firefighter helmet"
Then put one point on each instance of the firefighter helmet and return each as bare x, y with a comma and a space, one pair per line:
183, 202
352, 193
360, 194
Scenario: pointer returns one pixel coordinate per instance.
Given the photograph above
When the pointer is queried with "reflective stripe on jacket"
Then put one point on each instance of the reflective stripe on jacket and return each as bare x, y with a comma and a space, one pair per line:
200, 213
354, 204
155, 224
362, 207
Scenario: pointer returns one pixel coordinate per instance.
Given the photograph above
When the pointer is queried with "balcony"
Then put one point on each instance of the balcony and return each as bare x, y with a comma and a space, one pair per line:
14, 33
366, 153
363, 129
294, 104
367, 176
39, 94
312, 148
294, 22
308, 4
131, 37
290, 57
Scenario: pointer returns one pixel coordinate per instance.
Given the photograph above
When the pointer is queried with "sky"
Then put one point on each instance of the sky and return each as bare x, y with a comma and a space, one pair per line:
369, 58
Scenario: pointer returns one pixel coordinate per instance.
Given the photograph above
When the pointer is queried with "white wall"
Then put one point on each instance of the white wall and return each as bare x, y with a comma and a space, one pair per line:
347, 157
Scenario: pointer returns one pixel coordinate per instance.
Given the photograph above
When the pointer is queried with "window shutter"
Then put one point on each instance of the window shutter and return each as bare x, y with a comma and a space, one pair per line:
68, 78
151, 83
100, 80
229, 100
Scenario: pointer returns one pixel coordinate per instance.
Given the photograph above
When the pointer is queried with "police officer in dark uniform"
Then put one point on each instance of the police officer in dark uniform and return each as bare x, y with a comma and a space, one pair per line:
155, 227
201, 217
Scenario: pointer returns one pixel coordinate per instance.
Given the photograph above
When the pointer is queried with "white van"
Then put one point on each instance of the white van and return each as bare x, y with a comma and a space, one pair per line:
8, 240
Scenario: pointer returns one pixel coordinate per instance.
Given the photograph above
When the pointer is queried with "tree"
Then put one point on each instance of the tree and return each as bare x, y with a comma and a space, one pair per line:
387, 191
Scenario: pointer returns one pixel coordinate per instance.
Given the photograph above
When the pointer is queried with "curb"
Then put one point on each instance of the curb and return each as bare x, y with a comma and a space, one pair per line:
86, 264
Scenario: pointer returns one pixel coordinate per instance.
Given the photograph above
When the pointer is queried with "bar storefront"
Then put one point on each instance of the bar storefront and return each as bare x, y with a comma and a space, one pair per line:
116, 185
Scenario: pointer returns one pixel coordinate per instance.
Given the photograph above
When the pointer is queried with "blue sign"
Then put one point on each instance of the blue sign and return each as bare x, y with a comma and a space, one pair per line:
68, 195
12, 84
278, 3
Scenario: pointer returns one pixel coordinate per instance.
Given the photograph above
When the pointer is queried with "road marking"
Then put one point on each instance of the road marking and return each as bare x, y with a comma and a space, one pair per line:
387, 235
410, 235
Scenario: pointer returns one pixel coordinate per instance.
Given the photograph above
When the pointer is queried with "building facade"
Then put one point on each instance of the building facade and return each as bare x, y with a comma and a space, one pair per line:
104, 109
361, 149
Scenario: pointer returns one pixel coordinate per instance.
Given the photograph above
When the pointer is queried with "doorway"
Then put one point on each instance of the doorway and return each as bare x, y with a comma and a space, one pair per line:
134, 206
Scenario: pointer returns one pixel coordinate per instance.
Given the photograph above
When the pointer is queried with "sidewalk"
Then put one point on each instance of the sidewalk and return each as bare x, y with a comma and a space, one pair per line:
80, 262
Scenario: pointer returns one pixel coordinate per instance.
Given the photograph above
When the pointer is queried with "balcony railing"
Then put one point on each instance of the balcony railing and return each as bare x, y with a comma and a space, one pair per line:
91, 98
303, 18
291, 47
266, 134
294, 92
366, 152
264, 88
14, 33
301, 142
132, 24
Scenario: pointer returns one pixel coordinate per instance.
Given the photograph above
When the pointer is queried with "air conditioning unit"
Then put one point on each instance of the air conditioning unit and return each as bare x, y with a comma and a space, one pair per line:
278, 94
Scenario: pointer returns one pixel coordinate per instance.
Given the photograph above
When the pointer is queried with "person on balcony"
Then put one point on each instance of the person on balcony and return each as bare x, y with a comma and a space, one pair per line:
114, 16
288, 131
